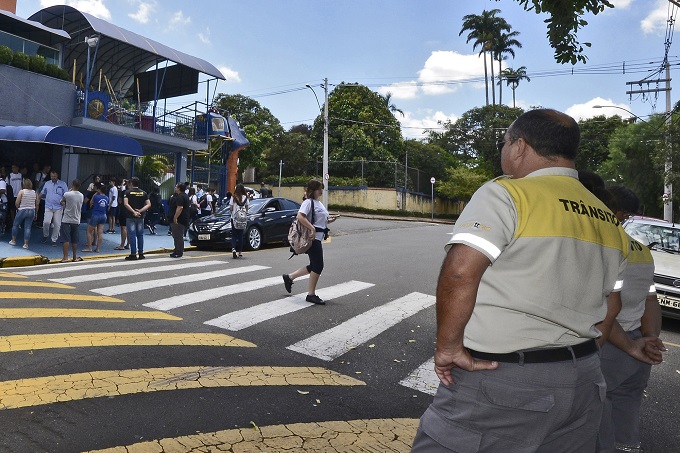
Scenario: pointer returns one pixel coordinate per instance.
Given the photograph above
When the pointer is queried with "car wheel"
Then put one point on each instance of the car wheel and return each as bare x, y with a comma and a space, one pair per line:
254, 238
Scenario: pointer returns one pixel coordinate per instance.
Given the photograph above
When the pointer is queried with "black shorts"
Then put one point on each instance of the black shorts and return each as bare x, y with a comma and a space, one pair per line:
315, 254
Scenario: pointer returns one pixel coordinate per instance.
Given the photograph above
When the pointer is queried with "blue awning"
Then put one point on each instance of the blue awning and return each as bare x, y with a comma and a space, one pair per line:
72, 136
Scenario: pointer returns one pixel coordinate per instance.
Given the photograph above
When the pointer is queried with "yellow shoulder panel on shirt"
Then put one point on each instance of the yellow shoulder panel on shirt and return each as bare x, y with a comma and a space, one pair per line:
562, 207
639, 254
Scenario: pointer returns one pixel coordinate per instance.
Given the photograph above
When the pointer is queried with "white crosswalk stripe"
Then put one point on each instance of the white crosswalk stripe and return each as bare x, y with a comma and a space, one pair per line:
178, 280
247, 317
89, 277
77, 267
214, 293
423, 378
336, 341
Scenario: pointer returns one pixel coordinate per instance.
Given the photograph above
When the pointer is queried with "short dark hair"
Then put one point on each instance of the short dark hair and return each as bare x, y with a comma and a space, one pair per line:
595, 184
549, 132
134, 181
625, 199
76, 183
312, 186
181, 187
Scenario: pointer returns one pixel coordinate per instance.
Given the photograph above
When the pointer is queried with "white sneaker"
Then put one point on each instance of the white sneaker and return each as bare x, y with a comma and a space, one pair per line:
12, 242
26, 246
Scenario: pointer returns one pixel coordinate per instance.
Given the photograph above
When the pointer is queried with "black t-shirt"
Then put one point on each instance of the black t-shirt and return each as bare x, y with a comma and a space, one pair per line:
136, 198
155, 200
179, 200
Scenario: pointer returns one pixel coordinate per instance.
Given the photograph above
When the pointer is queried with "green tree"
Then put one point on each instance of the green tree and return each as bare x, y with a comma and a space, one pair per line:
462, 182
293, 148
513, 77
564, 22
262, 128
150, 169
595, 135
502, 46
636, 160
472, 139
361, 127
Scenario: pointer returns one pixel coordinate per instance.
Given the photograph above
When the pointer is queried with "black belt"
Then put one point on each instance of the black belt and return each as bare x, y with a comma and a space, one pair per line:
540, 355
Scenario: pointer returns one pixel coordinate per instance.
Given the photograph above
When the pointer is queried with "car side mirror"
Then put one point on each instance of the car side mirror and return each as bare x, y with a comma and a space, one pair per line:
270, 209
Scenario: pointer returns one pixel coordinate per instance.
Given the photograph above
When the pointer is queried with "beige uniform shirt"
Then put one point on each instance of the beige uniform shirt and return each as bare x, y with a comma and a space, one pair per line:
556, 253
638, 283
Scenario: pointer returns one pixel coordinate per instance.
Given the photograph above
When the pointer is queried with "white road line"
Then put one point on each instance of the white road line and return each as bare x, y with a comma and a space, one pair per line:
163, 282
336, 341
423, 378
93, 276
214, 293
103, 263
247, 317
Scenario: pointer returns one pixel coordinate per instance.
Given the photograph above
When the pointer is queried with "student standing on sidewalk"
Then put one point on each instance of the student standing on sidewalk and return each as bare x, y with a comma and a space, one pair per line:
136, 203
53, 191
72, 201
27, 207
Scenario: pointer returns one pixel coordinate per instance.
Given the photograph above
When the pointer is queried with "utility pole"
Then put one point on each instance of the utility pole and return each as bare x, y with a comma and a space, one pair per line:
326, 176
668, 187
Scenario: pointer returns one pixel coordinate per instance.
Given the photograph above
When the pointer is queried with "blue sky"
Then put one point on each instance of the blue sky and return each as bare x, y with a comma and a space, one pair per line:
401, 46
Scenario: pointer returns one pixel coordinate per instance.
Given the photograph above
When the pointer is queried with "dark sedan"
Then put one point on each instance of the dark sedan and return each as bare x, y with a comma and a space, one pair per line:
269, 220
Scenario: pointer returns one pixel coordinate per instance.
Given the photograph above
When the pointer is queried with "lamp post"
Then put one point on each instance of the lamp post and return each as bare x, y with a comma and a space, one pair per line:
91, 41
668, 186
325, 138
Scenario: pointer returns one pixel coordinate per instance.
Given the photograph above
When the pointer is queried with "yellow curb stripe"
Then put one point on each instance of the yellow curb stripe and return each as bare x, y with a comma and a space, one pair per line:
95, 339
57, 296
387, 434
14, 313
11, 275
71, 387
37, 285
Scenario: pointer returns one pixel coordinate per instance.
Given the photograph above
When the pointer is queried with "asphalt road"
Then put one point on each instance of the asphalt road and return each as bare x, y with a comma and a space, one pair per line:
169, 355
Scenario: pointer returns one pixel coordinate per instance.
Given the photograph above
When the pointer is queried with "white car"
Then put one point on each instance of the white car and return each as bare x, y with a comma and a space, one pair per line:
663, 239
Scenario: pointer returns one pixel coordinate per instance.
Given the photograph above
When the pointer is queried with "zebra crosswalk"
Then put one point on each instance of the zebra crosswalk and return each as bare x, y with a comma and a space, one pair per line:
220, 279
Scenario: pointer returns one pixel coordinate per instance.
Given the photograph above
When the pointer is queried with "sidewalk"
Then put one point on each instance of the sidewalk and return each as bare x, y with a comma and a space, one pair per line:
39, 253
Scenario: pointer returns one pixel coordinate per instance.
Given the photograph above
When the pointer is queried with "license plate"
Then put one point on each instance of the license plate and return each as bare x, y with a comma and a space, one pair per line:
203, 237
668, 301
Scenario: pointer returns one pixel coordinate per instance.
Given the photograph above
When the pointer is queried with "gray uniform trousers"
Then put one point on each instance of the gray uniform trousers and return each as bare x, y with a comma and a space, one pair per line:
626, 380
545, 407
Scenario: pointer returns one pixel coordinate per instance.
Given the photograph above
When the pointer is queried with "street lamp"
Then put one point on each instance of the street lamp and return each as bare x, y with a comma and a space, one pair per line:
617, 107
668, 186
325, 138
92, 42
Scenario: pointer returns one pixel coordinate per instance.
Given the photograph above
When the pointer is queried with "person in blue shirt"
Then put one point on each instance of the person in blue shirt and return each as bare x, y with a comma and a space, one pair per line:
99, 204
53, 191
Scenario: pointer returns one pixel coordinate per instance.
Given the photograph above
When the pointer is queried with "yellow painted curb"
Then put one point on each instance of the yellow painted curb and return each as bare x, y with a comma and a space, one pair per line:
389, 434
95, 384
20, 261
25, 313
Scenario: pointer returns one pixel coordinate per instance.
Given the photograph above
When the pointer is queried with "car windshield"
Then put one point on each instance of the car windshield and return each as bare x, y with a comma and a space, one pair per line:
664, 237
254, 206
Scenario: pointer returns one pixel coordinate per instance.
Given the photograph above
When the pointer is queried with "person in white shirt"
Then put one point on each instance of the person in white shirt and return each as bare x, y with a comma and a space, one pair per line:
113, 206
14, 179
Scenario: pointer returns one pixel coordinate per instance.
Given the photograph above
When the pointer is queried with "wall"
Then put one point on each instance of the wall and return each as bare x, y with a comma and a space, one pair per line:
35, 99
377, 198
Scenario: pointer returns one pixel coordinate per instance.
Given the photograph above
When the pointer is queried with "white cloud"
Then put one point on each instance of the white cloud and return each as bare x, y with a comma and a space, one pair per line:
443, 72
402, 90
180, 19
143, 12
619, 4
588, 110
94, 7
416, 127
205, 37
229, 74
656, 20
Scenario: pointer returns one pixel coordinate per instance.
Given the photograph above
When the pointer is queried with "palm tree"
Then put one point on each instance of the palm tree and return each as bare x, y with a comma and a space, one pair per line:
513, 77
482, 29
502, 46
388, 102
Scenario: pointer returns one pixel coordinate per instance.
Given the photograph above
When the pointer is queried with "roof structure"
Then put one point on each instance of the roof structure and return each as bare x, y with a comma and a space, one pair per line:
120, 54
28, 29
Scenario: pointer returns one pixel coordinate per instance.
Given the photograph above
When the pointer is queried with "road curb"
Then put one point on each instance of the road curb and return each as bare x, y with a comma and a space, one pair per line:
20, 261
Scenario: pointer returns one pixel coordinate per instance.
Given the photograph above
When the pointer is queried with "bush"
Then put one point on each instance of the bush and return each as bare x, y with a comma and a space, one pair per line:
21, 61
37, 63
334, 181
64, 75
6, 55
52, 70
